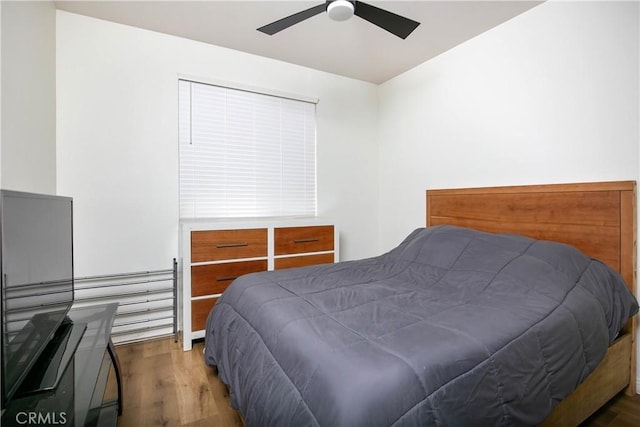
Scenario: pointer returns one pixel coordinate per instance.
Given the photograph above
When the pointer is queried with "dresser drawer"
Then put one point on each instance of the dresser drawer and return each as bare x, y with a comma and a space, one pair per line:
213, 279
200, 309
303, 261
297, 240
215, 245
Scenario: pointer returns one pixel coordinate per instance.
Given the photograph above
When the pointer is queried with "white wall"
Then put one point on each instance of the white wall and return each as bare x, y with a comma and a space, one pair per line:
28, 119
548, 97
117, 133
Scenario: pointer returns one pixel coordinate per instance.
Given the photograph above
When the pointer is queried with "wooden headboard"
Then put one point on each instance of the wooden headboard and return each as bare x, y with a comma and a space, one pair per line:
598, 218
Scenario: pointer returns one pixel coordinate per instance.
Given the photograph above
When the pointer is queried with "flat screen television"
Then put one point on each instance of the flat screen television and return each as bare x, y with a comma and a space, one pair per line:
36, 257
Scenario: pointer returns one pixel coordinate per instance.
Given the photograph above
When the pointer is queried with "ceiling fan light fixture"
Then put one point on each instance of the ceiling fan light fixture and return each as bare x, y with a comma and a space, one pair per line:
340, 10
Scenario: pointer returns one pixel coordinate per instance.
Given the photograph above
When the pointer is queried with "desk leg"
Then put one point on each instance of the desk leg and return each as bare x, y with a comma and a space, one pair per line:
116, 367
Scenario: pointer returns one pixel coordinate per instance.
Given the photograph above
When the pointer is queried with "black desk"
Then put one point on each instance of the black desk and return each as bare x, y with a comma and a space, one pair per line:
79, 398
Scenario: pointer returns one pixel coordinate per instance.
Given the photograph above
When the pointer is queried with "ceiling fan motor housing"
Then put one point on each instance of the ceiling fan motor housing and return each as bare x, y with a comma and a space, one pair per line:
340, 10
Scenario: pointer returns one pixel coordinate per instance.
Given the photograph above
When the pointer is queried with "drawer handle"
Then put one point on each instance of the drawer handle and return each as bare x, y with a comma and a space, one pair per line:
226, 278
231, 245
308, 240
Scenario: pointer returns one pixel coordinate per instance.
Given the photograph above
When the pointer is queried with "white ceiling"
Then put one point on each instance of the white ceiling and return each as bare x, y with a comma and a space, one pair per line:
354, 48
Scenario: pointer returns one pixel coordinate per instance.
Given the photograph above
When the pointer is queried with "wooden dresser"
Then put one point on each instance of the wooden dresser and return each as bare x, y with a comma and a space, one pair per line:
214, 254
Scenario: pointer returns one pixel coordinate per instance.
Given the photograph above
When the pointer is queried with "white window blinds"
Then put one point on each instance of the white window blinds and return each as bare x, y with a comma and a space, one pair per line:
244, 154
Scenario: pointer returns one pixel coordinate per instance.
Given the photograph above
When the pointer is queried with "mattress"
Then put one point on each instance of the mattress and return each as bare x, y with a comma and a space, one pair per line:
453, 327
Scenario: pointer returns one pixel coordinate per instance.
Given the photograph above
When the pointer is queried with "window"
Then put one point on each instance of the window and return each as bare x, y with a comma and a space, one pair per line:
245, 154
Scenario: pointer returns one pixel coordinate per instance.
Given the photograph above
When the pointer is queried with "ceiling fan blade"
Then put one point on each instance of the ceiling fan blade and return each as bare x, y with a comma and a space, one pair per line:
395, 24
284, 23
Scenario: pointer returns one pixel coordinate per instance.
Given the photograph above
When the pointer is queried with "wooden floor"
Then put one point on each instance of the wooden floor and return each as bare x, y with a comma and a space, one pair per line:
621, 411
164, 386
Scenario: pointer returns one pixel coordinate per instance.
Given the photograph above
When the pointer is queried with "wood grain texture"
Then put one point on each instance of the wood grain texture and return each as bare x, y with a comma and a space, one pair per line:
200, 309
589, 221
621, 411
303, 261
597, 218
195, 401
213, 279
165, 386
296, 240
159, 392
216, 245
628, 248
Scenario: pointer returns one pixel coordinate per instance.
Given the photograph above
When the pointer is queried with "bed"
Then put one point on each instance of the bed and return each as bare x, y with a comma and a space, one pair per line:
418, 336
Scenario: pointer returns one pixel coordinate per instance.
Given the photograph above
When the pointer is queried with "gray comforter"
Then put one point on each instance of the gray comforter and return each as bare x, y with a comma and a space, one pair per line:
454, 327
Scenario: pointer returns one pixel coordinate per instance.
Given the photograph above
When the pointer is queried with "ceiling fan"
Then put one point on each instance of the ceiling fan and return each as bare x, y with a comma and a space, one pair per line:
341, 10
